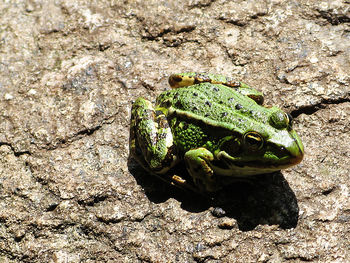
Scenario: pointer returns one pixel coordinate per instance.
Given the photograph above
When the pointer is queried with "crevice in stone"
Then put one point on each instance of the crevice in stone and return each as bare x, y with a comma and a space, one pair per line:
202, 4
82, 133
78, 135
159, 35
328, 191
92, 202
51, 207
333, 18
89, 132
310, 109
186, 28
235, 22
110, 221
16, 153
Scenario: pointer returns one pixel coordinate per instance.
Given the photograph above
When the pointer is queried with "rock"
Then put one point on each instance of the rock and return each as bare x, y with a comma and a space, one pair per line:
68, 74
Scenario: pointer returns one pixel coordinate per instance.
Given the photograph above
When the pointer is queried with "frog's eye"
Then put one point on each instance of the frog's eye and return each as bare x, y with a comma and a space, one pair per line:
279, 119
253, 140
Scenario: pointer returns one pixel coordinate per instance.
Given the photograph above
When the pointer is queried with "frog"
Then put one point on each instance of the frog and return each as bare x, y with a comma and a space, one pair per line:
217, 128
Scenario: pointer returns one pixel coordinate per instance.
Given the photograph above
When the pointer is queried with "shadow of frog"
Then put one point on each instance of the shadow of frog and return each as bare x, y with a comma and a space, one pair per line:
264, 199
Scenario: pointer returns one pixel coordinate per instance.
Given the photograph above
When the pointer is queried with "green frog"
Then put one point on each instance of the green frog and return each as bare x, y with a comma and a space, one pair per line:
217, 127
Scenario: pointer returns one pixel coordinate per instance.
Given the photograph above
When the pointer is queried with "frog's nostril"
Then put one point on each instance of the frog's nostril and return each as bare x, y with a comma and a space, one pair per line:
283, 149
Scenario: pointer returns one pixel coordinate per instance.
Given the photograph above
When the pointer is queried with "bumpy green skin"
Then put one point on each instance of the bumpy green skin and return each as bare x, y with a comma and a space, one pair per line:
217, 126
191, 78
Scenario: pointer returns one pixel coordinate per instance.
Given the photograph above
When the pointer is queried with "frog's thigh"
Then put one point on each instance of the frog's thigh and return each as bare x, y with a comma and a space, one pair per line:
191, 78
197, 165
152, 136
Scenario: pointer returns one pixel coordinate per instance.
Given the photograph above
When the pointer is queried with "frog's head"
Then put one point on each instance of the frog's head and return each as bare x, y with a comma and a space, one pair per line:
262, 148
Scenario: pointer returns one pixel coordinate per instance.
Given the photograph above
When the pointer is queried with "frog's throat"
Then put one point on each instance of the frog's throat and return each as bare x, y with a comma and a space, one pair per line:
240, 168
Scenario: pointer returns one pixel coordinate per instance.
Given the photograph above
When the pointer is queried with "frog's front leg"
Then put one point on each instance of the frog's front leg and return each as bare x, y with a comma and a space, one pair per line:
151, 140
197, 164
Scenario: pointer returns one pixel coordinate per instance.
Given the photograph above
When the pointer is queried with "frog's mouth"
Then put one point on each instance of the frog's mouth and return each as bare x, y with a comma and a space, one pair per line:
243, 166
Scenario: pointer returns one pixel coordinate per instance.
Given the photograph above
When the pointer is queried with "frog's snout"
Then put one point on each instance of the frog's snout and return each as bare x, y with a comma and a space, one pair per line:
297, 151
297, 158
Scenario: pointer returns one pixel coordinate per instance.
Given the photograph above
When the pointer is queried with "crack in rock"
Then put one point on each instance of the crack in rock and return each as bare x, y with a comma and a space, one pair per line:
311, 109
16, 153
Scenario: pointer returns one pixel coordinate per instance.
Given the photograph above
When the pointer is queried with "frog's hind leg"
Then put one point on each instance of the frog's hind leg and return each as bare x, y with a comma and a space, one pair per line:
151, 140
192, 78
151, 143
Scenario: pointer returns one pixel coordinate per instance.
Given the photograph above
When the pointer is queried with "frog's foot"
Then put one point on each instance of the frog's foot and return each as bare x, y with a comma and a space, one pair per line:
192, 78
197, 164
151, 140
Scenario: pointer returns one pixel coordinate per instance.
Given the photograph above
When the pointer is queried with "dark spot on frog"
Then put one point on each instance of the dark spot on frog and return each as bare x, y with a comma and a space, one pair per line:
221, 102
216, 89
176, 95
166, 124
162, 136
232, 83
206, 115
150, 113
223, 114
208, 103
238, 107
166, 103
195, 94
169, 157
178, 104
158, 113
195, 108
176, 78
231, 100
200, 78
258, 99
161, 120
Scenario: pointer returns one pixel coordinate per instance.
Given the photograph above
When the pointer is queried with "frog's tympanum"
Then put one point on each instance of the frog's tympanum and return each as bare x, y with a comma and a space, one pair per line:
217, 127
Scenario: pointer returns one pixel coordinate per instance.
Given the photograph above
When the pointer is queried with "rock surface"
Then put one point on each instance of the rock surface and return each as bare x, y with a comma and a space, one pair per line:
69, 71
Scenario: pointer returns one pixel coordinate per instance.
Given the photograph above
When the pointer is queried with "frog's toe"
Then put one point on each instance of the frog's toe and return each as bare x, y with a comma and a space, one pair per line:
197, 163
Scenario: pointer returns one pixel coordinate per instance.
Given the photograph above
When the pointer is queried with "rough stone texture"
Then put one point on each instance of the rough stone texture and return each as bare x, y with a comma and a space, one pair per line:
69, 71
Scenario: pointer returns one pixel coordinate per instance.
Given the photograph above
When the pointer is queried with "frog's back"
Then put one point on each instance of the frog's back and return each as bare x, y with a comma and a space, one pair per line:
214, 104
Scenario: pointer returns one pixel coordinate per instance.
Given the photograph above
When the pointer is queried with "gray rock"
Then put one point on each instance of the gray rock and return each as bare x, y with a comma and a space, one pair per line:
68, 74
